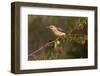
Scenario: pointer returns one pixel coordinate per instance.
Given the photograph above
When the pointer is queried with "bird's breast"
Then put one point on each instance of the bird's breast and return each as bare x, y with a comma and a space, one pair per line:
58, 33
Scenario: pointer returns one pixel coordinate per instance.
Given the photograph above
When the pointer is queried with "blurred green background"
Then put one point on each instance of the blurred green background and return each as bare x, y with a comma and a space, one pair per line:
39, 35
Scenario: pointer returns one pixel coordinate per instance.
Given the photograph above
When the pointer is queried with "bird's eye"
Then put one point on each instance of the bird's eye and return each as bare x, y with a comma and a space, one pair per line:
51, 27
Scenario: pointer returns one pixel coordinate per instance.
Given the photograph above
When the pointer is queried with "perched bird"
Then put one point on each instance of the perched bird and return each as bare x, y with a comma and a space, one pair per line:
57, 31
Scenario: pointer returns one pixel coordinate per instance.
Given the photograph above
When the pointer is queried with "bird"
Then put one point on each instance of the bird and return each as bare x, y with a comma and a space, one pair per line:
58, 32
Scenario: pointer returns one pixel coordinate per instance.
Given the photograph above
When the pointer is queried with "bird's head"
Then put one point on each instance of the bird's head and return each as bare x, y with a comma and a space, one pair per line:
52, 27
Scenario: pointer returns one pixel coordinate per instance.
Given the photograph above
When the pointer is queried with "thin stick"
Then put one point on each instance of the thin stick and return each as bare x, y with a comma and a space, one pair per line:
40, 48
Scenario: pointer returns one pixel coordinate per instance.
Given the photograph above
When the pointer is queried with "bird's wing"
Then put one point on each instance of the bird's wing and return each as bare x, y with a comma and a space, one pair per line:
59, 29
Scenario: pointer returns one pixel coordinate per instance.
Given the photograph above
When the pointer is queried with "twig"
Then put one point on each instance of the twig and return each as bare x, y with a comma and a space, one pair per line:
41, 48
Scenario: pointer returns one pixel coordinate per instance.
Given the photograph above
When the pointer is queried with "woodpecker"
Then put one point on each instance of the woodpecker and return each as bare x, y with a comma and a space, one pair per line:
57, 31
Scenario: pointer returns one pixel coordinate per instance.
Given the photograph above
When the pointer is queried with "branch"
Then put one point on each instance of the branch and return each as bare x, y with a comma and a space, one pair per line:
66, 37
31, 54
